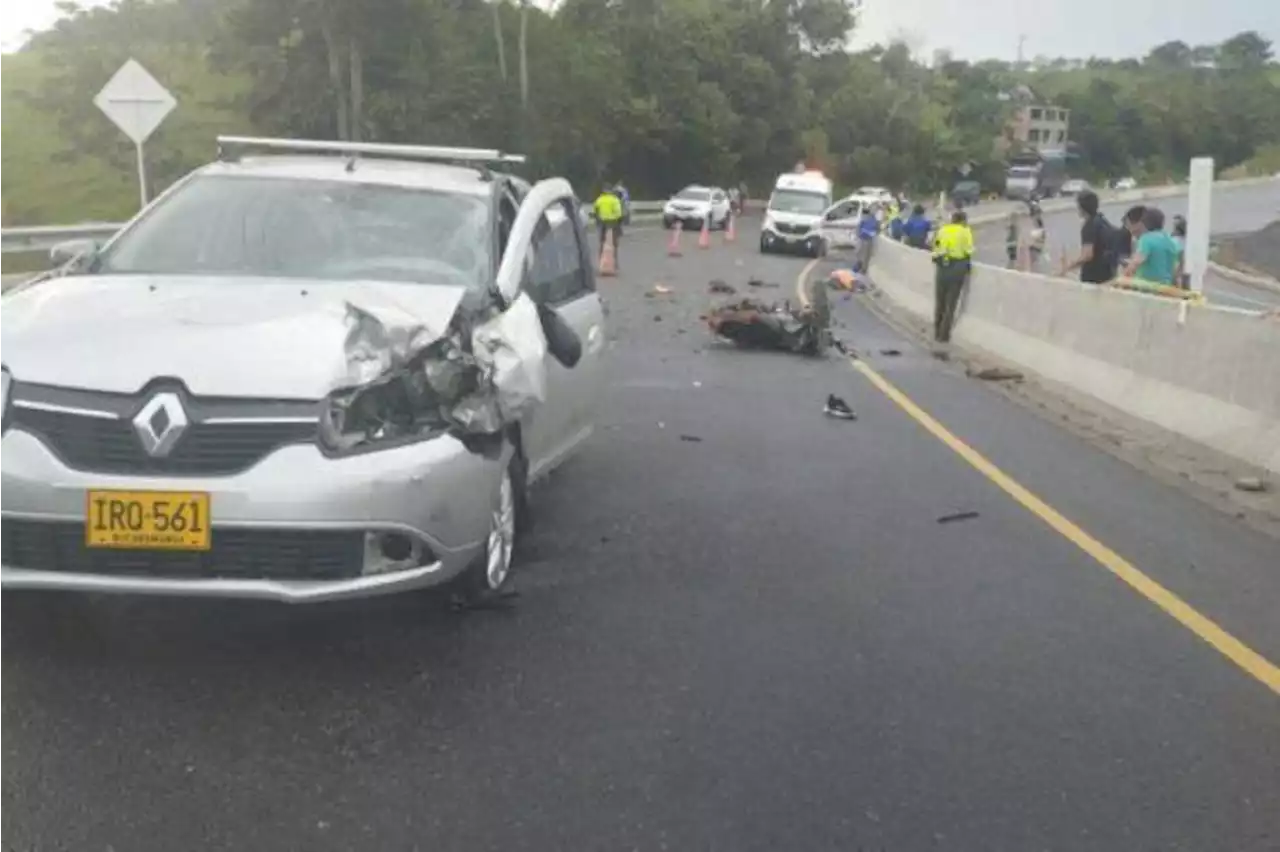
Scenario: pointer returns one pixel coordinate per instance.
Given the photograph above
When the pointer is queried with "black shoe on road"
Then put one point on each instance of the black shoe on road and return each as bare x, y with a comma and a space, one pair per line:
838, 408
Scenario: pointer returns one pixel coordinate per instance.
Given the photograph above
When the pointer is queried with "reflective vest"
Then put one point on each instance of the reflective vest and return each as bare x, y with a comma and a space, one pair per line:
608, 208
953, 243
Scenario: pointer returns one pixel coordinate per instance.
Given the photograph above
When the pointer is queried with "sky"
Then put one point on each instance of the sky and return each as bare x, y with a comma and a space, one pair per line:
970, 30
981, 29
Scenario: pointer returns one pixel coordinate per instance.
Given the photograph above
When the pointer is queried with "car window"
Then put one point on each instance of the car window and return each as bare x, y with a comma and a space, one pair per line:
556, 270
250, 226
507, 209
693, 194
798, 201
843, 210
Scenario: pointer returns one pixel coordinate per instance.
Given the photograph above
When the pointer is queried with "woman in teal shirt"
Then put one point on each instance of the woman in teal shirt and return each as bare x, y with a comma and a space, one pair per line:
1156, 256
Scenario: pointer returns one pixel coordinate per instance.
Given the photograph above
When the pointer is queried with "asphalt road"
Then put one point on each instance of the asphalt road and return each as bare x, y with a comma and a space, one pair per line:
1235, 210
740, 627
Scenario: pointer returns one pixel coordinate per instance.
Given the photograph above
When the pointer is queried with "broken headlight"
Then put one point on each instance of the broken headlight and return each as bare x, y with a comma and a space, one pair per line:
439, 390
377, 416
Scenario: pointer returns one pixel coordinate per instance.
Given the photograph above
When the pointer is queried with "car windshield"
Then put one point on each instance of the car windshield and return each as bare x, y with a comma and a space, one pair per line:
1022, 172
797, 201
238, 226
693, 194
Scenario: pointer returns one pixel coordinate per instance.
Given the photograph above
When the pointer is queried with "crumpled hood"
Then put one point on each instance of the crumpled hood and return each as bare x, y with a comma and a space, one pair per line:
241, 337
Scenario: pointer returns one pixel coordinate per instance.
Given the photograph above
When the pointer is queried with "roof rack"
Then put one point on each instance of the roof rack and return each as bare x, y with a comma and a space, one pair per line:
408, 152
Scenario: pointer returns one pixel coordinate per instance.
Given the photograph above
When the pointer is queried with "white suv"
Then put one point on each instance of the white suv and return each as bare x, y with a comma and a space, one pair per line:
696, 204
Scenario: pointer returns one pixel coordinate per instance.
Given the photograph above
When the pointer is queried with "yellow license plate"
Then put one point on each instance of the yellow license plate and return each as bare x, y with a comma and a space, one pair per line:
148, 520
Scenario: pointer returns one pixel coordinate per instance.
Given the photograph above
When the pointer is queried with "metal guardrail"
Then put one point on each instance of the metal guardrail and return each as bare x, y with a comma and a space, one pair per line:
45, 237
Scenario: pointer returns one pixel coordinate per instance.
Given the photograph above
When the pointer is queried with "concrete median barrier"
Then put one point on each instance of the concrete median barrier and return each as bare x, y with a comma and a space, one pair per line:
1208, 373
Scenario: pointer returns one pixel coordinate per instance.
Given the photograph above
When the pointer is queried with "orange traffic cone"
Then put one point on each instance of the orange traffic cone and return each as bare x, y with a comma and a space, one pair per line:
608, 268
673, 247
731, 229
704, 238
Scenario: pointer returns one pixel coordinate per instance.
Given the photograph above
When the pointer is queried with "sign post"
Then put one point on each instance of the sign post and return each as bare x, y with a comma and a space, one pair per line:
137, 104
1199, 208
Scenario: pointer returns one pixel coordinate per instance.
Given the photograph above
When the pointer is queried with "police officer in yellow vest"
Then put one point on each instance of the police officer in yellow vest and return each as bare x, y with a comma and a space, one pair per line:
952, 257
608, 210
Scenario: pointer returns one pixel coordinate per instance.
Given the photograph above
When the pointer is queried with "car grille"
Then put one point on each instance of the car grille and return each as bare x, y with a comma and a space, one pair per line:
245, 554
785, 228
103, 445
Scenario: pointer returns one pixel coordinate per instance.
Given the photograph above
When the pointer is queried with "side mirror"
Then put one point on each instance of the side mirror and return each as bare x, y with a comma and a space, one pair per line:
72, 251
562, 341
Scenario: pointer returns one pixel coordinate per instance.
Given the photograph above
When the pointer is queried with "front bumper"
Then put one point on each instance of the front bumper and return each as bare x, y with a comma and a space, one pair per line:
687, 218
435, 494
810, 241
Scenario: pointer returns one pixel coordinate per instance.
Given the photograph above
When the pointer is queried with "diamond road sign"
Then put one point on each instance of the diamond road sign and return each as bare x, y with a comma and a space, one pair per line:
135, 101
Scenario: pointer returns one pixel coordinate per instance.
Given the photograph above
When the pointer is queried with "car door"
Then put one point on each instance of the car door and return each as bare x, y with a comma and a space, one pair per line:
559, 276
840, 223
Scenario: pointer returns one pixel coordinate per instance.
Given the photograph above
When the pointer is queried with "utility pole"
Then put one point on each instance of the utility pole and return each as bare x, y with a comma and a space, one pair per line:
1022, 39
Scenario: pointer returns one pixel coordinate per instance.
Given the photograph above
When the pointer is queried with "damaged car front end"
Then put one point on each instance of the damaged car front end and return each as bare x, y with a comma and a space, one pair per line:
363, 420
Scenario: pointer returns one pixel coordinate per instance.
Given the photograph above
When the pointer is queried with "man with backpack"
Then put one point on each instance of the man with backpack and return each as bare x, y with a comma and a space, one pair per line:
1098, 243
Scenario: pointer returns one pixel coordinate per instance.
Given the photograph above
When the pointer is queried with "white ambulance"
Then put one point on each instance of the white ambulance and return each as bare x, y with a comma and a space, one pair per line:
794, 218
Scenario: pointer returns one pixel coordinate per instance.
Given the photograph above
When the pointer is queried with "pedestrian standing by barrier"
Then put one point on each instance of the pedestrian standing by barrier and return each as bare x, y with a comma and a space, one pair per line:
1036, 242
608, 209
1097, 260
896, 225
868, 229
1012, 240
1129, 231
953, 258
915, 231
1156, 257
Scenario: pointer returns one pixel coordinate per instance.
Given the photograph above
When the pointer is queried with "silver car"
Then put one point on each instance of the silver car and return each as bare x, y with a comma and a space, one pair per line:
326, 371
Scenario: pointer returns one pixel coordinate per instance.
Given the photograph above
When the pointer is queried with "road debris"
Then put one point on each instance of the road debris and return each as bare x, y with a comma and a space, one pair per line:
723, 287
891, 353
958, 516
1254, 484
838, 408
659, 289
757, 282
692, 439
994, 374
756, 325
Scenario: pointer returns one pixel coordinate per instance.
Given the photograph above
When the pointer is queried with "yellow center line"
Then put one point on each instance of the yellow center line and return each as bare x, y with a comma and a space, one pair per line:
1229, 646
804, 277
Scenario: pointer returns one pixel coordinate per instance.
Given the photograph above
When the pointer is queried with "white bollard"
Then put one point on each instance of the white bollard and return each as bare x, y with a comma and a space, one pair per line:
1199, 209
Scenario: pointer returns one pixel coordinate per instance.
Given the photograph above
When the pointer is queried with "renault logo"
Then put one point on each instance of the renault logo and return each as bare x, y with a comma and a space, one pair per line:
160, 424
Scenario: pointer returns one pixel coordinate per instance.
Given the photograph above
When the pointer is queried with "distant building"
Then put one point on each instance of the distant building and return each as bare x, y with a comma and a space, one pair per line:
1034, 125
1040, 126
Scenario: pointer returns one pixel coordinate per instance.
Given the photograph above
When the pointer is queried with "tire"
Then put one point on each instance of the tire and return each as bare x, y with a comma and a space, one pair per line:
764, 249
489, 574
668, 222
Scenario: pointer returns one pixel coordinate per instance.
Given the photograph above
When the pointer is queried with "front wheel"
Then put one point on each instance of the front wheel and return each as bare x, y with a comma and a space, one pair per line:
668, 222
764, 246
489, 574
